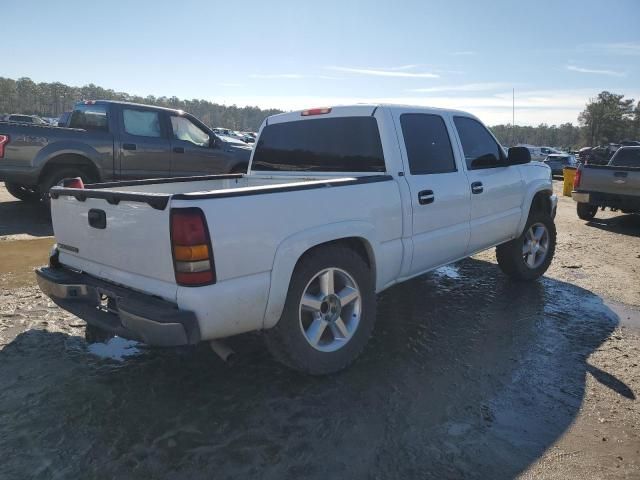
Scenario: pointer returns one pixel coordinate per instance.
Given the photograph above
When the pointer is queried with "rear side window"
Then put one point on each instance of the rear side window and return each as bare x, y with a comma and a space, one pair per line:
427, 143
90, 117
626, 157
142, 123
480, 149
348, 144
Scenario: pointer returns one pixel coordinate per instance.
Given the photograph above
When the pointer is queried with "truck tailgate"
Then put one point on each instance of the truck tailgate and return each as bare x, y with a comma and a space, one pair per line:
133, 248
611, 179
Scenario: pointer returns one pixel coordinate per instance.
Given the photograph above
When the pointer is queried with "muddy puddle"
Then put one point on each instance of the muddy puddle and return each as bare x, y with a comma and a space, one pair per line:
18, 258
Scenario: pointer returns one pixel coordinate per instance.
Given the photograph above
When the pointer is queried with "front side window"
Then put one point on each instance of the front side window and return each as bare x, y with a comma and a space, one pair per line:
142, 123
185, 129
480, 148
90, 117
427, 143
341, 144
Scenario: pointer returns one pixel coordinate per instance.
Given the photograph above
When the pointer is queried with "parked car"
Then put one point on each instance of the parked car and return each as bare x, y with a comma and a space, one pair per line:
109, 140
26, 119
615, 185
538, 154
339, 203
557, 162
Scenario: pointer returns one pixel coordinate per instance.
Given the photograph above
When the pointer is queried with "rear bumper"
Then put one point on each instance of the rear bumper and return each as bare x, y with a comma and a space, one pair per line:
621, 202
118, 310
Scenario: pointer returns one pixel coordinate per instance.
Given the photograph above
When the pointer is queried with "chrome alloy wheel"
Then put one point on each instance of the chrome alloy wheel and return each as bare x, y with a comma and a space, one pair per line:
330, 309
536, 245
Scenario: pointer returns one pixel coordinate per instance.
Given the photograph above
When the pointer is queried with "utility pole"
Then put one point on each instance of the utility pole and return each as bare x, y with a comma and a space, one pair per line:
513, 117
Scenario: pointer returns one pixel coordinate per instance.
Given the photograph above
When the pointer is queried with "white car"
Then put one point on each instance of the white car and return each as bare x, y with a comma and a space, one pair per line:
338, 205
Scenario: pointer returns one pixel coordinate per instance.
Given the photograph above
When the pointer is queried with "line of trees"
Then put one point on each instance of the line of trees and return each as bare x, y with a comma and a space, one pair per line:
608, 118
51, 99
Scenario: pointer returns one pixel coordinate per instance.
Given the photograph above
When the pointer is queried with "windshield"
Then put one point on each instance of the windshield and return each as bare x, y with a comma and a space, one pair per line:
626, 157
344, 144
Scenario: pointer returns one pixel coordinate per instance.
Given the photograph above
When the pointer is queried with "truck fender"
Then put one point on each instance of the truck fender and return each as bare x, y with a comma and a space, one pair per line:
536, 186
293, 247
58, 149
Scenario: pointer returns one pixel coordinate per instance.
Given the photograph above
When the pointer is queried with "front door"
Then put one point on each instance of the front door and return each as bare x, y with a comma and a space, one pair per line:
497, 190
439, 190
193, 152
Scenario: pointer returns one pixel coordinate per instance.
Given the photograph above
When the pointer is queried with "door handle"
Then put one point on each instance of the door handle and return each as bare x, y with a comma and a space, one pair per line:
128, 146
476, 187
178, 149
425, 197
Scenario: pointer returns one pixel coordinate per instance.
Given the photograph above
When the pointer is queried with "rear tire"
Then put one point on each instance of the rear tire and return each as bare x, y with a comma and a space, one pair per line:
527, 257
585, 211
329, 312
57, 175
23, 192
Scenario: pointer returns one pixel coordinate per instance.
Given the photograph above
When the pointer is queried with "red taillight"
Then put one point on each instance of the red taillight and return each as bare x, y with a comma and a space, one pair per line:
191, 248
316, 111
72, 183
4, 140
576, 179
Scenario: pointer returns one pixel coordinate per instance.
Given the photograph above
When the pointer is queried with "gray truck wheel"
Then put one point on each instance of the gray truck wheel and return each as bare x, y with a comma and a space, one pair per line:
53, 178
529, 256
586, 211
329, 313
23, 192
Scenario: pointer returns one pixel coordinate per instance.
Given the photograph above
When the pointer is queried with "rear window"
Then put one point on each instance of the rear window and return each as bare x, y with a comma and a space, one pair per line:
89, 117
348, 144
626, 157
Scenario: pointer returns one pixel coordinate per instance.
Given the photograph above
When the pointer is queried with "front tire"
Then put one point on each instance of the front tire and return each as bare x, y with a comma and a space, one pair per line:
585, 211
329, 312
529, 256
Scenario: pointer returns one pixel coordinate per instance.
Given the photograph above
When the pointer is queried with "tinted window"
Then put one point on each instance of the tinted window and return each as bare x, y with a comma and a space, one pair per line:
427, 142
89, 117
349, 144
627, 157
185, 129
478, 144
142, 123
21, 118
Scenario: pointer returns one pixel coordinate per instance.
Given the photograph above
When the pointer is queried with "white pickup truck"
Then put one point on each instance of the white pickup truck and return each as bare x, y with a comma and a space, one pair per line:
339, 204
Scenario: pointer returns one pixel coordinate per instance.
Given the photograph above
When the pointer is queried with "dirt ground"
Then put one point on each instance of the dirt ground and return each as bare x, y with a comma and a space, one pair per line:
468, 375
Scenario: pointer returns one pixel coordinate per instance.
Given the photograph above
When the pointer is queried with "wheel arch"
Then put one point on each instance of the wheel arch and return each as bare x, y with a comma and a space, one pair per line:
70, 160
358, 236
537, 199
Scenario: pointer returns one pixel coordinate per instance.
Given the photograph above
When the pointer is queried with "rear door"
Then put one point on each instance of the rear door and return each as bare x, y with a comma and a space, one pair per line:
145, 148
192, 149
439, 189
497, 190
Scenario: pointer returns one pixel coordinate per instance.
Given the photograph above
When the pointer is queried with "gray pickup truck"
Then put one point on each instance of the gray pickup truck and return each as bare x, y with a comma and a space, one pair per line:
615, 185
107, 140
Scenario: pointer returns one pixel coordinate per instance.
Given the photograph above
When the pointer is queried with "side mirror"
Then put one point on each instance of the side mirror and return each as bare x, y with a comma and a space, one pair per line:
518, 156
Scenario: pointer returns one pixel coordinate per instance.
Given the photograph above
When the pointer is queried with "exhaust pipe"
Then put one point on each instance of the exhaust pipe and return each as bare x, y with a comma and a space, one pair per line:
222, 350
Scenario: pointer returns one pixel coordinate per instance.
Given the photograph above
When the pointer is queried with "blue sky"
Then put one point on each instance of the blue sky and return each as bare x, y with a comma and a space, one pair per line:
297, 54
